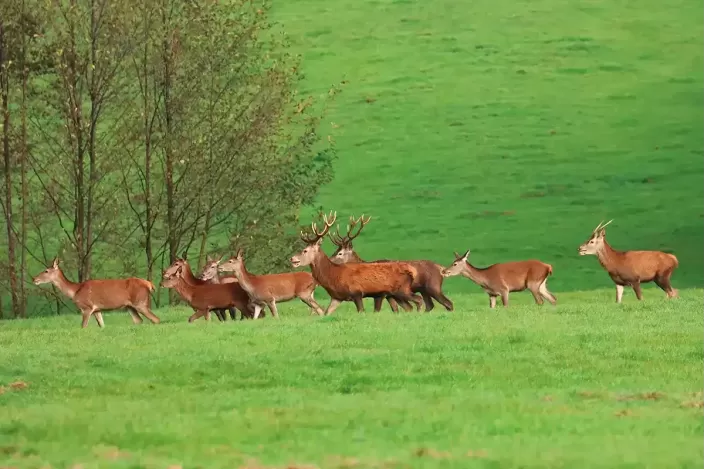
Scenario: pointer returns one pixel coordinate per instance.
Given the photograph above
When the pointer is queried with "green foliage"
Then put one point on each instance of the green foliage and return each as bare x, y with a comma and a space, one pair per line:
585, 384
512, 129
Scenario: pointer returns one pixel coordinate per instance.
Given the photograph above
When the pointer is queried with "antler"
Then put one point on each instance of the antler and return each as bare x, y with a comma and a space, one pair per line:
316, 235
362, 222
601, 226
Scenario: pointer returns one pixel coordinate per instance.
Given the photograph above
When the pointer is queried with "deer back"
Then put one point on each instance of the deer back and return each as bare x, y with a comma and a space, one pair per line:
114, 293
516, 274
645, 265
366, 278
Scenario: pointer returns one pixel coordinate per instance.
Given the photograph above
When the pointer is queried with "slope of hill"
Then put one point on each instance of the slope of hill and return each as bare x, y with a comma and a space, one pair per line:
512, 129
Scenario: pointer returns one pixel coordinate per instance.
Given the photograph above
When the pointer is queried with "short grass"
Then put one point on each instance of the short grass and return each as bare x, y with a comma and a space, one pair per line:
585, 384
512, 128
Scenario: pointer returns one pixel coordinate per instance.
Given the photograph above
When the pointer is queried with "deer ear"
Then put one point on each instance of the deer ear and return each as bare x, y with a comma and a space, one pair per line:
222, 258
239, 254
318, 242
55, 264
465, 256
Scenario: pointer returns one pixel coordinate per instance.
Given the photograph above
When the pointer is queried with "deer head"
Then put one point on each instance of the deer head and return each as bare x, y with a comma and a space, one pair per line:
210, 270
50, 275
458, 265
595, 242
344, 251
313, 242
234, 264
177, 265
170, 282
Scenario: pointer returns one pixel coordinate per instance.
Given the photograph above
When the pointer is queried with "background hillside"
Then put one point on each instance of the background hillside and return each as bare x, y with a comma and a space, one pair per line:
512, 128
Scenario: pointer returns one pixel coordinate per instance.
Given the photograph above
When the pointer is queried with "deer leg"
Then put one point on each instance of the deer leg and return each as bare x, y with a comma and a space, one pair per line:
664, 282
637, 289
197, 314
146, 312
378, 304
393, 303
99, 318
493, 300
505, 297
311, 302
620, 292
332, 306
233, 313
85, 316
537, 296
273, 308
357, 299
257, 307
136, 319
220, 314
543, 289
405, 304
442, 299
427, 301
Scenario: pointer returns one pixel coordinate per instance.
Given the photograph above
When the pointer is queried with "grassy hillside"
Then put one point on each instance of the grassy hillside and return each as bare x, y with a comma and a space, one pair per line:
513, 128
586, 384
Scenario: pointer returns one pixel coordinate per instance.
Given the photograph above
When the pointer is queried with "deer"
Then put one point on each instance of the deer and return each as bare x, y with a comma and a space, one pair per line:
267, 289
352, 282
193, 280
95, 296
504, 278
217, 278
428, 282
631, 268
206, 297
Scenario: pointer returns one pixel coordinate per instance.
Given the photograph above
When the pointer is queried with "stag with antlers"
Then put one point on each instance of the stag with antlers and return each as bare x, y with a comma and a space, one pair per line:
429, 280
631, 268
352, 282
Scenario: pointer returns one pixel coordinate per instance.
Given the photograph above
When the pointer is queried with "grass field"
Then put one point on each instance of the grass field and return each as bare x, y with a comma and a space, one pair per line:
512, 128
507, 128
585, 384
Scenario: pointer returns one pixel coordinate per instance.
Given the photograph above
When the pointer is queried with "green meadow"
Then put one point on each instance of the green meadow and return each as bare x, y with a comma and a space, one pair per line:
507, 128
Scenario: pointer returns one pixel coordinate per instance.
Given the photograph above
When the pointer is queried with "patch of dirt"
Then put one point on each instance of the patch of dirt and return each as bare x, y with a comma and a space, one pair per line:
111, 452
547, 398
16, 386
644, 396
432, 453
692, 404
624, 413
477, 453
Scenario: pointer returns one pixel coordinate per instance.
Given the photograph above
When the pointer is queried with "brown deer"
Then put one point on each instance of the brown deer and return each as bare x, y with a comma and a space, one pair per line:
207, 297
352, 282
267, 289
631, 268
95, 296
501, 279
428, 283
217, 278
193, 280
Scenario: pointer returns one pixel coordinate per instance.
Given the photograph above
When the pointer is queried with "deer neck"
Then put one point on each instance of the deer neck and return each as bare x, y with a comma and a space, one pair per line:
322, 268
608, 257
244, 278
355, 259
184, 289
473, 273
188, 275
66, 286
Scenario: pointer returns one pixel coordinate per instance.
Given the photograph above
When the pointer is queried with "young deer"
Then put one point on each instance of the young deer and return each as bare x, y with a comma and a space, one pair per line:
268, 289
631, 268
193, 280
352, 282
501, 279
428, 283
207, 297
95, 296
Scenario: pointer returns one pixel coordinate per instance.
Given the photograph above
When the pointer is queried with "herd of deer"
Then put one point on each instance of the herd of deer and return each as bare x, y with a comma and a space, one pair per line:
346, 277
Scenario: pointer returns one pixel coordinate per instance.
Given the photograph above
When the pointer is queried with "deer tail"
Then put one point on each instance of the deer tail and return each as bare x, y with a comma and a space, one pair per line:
675, 260
550, 269
148, 284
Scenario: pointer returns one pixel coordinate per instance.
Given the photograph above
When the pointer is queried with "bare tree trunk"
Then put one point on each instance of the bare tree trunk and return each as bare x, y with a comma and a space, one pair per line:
9, 222
23, 173
168, 150
91, 146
